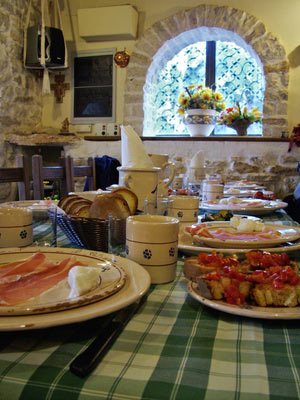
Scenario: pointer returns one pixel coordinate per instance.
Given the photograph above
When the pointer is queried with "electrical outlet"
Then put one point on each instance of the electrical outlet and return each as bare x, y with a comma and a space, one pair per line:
100, 130
113, 129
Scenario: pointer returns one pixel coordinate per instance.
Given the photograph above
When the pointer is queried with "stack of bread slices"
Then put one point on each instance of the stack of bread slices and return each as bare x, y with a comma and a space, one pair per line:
121, 202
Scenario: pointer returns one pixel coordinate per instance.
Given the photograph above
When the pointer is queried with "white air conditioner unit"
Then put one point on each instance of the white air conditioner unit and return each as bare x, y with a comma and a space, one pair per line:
107, 23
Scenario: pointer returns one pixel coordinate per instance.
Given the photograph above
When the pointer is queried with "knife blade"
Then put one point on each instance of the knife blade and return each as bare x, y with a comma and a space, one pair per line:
86, 361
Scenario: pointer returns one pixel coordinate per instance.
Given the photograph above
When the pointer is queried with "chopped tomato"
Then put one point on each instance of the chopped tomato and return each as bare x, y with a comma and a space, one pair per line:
233, 295
216, 260
213, 276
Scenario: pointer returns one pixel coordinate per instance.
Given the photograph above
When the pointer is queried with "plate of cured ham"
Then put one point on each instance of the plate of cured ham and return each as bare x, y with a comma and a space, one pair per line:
191, 244
245, 206
120, 283
224, 234
38, 280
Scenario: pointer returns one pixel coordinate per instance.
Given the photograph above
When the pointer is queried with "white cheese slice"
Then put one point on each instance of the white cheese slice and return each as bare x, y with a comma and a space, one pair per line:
82, 280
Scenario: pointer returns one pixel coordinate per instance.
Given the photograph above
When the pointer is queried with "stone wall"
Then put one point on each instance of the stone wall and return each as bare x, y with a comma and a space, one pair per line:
20, 89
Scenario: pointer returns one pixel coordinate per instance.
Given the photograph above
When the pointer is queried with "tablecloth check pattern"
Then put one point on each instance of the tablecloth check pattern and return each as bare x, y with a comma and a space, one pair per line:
173, 348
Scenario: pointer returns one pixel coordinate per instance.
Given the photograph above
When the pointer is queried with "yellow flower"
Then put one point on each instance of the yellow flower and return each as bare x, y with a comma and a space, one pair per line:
202, 97
180, 111
218, 96
206, 96
184, 101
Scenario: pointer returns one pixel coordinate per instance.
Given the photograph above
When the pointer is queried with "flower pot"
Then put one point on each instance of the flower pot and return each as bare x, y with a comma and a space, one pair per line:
200, 122
240, 126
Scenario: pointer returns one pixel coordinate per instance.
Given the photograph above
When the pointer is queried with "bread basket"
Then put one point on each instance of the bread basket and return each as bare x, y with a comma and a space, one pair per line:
92, 233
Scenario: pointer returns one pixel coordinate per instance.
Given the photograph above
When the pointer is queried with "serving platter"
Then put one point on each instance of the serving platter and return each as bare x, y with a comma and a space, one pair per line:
241, 193
254, 207
187, 246
235, 239
245, 310
136, 284
244, 185
111, 279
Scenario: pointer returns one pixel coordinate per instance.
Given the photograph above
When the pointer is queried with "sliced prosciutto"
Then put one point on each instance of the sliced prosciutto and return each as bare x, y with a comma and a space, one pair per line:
227, 234
33, 285
16, 270
201, 230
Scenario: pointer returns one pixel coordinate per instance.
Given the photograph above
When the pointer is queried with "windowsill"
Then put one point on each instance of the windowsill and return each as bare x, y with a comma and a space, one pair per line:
193, 139
216, 138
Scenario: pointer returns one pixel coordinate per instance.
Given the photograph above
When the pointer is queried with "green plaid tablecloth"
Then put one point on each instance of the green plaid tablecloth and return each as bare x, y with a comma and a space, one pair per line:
173, 348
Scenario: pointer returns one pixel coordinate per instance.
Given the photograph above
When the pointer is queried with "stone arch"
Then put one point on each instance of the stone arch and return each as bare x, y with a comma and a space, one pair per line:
270, 52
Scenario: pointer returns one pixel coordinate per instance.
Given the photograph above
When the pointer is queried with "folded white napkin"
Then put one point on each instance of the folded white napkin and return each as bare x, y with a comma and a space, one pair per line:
198, 160
133, 152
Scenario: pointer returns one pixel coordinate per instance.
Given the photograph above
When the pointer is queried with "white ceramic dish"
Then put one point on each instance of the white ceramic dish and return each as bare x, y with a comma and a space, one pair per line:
29, 203
287, 234
246, 310
112, 278
244, 185
247, 206
186, 246
136, 285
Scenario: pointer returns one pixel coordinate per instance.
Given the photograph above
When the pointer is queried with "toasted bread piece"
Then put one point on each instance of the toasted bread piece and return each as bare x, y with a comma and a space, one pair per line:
65, 200
193, 269
129, 196
265, 295
217, 288
109, 204
72, 205
82, 211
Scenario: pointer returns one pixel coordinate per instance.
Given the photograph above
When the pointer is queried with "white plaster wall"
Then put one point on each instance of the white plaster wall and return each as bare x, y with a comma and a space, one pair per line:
272, 152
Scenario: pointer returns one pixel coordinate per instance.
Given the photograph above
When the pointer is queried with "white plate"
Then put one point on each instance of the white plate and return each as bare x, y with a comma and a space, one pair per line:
247, 310
288, 234
29, 203
246, 185
186, 246
246, 206
57, 298
136, 285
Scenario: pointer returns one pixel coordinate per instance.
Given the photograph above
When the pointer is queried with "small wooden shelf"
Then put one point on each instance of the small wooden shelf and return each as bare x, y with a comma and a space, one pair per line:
102, 138
192, 139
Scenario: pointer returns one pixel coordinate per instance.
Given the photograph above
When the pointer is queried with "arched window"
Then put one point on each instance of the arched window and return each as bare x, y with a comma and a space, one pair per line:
230, 66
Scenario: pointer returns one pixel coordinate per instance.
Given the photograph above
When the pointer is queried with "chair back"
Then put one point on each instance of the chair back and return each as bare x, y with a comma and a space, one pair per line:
19, 174
40, 173
76, 171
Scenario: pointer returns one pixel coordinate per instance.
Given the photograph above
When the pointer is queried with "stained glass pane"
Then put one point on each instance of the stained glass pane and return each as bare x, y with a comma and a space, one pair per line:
187, 67
238, 78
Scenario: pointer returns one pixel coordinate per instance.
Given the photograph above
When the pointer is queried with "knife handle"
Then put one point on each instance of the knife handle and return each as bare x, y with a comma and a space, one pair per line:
87, 360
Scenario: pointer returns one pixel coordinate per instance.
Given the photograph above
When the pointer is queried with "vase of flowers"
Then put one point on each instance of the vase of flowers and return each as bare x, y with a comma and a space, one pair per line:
239, 119
199, 105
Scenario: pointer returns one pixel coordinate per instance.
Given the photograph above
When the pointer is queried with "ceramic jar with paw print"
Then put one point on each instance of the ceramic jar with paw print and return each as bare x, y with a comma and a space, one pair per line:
152, 241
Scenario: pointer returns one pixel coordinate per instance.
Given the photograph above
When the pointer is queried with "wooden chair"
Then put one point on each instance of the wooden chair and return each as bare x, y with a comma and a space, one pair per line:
76, 171
40, 173
19, 174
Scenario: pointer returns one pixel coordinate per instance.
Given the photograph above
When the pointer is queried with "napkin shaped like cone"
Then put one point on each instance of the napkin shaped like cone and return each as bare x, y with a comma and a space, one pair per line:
198, 160
133, 152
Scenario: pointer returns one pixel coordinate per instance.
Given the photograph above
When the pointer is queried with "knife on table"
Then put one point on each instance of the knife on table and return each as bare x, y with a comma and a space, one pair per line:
86, 361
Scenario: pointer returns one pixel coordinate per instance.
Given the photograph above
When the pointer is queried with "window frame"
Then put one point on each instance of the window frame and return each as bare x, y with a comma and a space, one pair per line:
93, 120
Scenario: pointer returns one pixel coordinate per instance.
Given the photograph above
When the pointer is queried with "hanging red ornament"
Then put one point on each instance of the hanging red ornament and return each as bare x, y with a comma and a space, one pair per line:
122, 58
